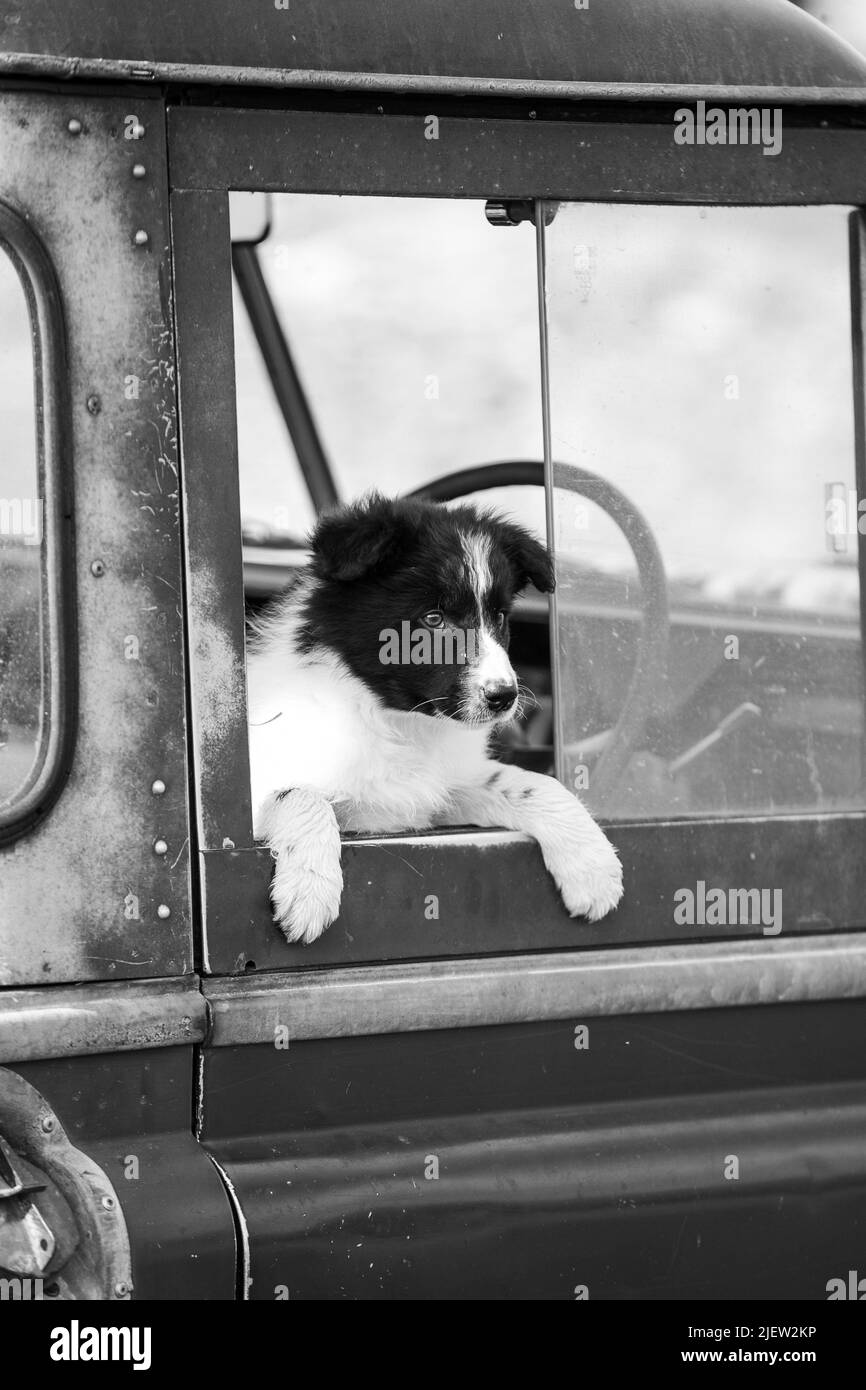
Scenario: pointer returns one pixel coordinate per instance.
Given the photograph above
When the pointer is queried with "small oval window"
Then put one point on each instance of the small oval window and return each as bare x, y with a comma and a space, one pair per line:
32, 721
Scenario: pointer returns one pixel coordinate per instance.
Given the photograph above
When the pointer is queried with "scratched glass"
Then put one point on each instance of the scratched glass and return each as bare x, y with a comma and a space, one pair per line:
700, 361
23, 683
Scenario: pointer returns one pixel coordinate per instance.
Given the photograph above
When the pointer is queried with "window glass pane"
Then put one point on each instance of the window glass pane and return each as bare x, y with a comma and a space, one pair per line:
23, 681
414, 329
700, 361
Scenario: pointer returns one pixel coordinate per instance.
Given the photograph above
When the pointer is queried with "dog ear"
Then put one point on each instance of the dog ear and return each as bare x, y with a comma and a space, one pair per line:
529, 558
360, 539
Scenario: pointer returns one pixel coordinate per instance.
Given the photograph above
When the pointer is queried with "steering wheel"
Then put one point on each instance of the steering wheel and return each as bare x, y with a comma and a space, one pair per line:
620, 742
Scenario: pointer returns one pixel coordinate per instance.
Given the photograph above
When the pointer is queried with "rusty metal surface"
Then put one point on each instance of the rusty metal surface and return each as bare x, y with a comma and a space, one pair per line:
491, 45
100, 1266
499, 158
524, 989
476, 892
80, 894
212, 521
131, 1113
61, 1022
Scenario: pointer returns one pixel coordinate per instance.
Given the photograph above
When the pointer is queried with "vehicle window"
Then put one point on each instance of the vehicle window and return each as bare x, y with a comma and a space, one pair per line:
700, 361
413, 325
23, 675
695, 414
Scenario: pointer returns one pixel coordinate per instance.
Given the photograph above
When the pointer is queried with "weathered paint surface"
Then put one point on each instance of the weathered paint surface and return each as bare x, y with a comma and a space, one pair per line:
84, 1020
422, 897
129, 1112
522, 1161
79, 894
606, 41
586, 160
100, 1267
427, 995
212, 520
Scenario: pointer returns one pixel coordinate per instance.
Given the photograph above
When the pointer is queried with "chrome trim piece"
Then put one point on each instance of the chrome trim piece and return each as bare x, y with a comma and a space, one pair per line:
122, 69
414, 997
77, 1020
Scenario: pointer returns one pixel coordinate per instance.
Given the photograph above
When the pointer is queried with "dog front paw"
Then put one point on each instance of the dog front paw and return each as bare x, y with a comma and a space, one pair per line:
591, 882
305, 899
300, 828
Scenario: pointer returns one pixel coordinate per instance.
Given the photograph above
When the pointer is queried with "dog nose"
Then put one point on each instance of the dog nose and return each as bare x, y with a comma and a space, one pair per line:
499, 695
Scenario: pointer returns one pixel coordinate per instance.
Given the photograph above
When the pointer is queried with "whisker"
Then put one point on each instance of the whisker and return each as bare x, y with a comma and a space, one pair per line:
435, 700
524, 693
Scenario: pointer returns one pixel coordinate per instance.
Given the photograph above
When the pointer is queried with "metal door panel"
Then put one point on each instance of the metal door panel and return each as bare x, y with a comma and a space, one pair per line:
85, 895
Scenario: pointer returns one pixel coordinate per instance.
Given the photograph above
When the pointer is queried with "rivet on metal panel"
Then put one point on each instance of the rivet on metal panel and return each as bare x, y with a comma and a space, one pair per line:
138, 171
158, 787
160, 847
97, 568
141, 238
94, 404
74, 126
163, 911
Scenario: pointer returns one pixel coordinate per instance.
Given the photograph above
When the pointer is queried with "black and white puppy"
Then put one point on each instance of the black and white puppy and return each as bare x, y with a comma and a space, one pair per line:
374, 686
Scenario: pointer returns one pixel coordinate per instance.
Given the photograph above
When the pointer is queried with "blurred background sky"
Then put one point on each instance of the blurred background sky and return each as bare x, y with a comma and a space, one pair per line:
700, 359
847, 17
414, 327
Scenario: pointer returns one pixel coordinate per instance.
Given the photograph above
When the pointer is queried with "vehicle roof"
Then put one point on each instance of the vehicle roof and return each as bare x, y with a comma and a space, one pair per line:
612, 48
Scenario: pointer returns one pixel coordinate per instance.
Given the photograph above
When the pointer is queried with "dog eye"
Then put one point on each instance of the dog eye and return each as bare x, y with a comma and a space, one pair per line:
500, 620
433, 619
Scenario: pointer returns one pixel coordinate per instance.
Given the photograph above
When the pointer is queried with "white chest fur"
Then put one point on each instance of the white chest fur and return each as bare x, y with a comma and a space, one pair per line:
313, 724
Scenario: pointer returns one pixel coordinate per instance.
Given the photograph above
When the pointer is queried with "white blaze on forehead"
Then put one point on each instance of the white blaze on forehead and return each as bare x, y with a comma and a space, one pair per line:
476, 554
491, 664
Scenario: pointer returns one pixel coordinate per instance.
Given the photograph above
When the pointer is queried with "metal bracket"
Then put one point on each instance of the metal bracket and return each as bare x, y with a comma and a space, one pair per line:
59, 1215
27, 1243
516, 210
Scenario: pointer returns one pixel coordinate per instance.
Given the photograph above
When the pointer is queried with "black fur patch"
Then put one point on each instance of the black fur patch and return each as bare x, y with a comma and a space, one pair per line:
380, 563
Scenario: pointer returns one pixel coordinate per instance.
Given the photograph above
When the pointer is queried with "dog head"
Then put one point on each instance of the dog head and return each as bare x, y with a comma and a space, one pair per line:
415, 598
